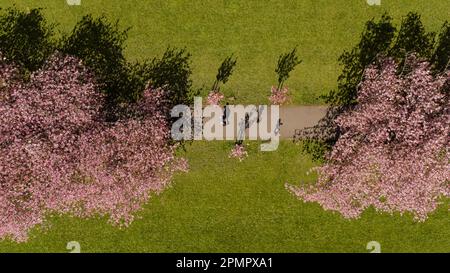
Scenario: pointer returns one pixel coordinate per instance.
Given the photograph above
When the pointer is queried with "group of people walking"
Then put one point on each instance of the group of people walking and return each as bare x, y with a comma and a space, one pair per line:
247, 122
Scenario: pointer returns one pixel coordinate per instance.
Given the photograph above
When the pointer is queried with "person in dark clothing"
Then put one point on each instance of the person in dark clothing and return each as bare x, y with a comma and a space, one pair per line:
226, 114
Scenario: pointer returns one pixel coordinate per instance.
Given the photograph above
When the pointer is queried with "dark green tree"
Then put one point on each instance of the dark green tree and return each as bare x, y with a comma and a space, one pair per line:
26, 38
375, 39
378, 39
441, 55
173, 73
100, 44
224, 72
412, 38
286, 64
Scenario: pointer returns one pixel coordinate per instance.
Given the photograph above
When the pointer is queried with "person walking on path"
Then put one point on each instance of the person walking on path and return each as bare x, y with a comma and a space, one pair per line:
226, 114
278, 127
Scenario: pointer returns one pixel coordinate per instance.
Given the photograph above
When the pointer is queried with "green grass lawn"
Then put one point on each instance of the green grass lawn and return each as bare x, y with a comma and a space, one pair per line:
256, 31
223, 205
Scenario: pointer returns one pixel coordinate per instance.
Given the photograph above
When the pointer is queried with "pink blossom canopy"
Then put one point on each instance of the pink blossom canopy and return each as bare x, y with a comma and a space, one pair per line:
394, 150
59, 155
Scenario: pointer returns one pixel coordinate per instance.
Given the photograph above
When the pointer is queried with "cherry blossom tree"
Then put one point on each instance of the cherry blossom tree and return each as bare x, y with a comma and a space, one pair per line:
279, 96
214, 98
393, 153
60, 155
238, 152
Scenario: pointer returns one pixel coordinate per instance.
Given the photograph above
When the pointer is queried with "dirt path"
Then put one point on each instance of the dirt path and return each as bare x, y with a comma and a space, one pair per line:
293, 118
299, 117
